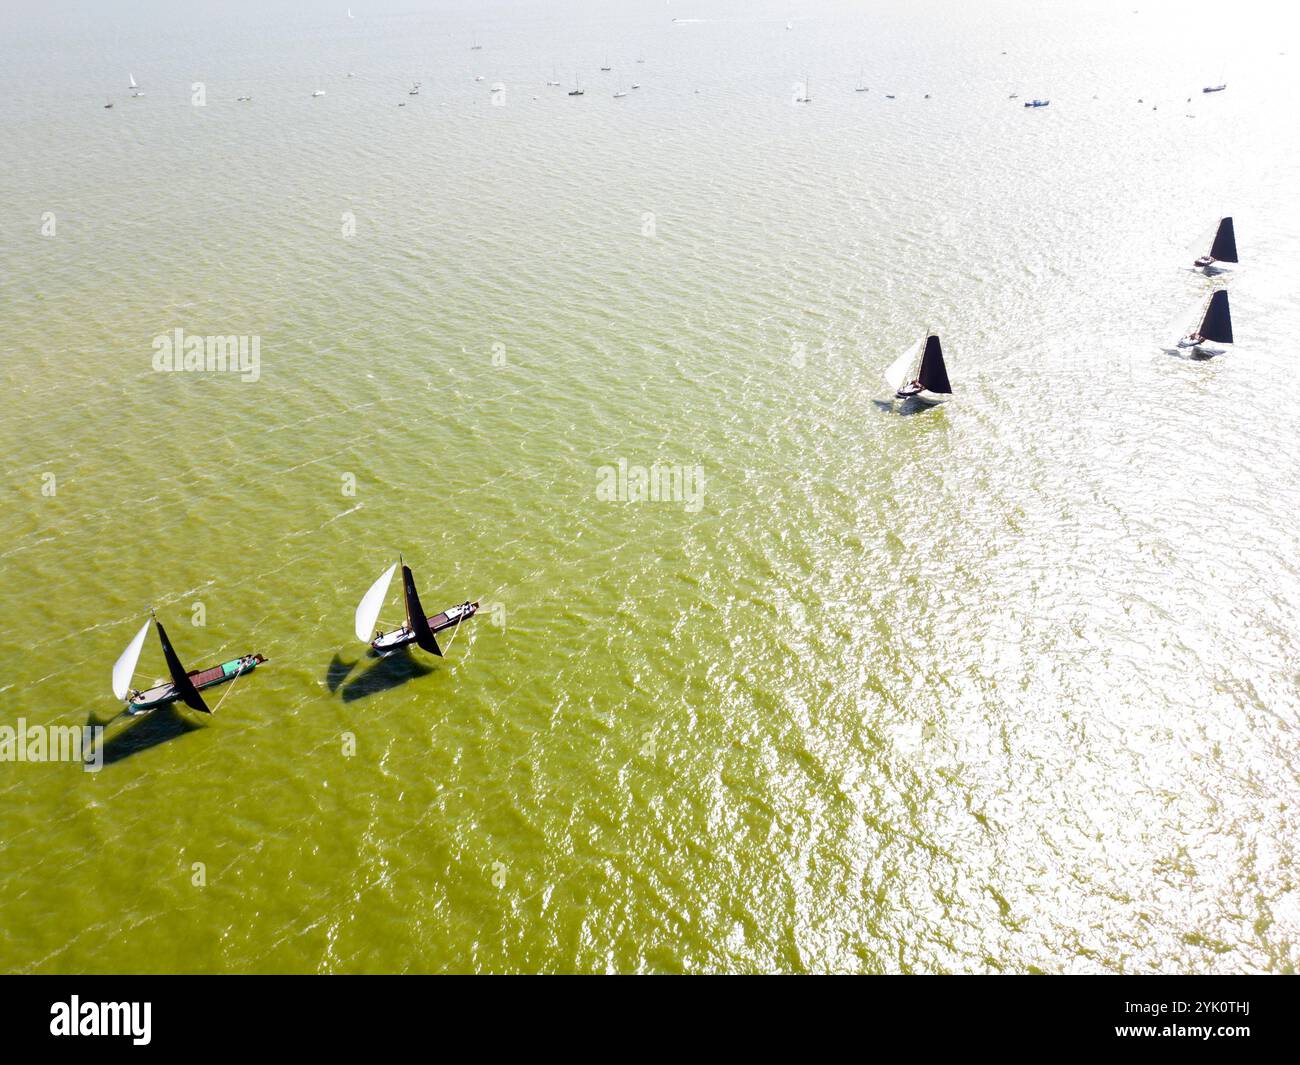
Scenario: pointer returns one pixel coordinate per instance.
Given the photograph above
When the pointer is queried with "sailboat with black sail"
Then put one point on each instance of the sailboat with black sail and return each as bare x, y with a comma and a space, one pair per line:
1212, 331
183, 686
418, 629
1223, 250
929, 383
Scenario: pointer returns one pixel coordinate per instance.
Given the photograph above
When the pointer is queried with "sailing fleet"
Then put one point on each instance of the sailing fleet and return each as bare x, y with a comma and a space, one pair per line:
918, 376
1209, 331
184, 685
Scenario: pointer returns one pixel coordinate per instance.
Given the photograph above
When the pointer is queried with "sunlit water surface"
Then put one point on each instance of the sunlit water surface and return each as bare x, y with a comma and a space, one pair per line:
1006, 686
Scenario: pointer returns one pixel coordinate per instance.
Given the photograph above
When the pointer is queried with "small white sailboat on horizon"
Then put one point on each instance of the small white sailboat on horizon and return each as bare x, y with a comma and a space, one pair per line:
925, 383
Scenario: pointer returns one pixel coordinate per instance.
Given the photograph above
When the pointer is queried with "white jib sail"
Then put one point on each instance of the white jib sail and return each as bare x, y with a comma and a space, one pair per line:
124, 667
133, 84
371, 603
896, 375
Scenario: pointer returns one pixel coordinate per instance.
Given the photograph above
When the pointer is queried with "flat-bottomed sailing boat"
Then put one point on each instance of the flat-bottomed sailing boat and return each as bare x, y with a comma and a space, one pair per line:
183, 686
418, 628
929, 384
1213, 328
1223, 251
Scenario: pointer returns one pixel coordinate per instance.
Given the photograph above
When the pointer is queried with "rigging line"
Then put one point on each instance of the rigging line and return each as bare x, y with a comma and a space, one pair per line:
238, 673
454, 635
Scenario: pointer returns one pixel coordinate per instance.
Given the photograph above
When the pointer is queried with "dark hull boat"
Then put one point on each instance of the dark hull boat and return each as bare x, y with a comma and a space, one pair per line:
1213, 330
930, 383
419, 629
1223, 251
184, 686
154, 697
1214, 88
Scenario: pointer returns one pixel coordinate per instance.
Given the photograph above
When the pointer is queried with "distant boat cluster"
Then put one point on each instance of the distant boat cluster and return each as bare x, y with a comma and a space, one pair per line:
803, 96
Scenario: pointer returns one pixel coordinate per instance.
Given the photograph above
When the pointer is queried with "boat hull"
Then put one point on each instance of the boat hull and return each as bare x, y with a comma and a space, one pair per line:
930, 399
162, 694
388, 643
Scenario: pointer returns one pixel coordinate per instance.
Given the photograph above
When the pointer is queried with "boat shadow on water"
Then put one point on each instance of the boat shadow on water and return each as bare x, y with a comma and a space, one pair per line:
387, 673
905, 408
125, 736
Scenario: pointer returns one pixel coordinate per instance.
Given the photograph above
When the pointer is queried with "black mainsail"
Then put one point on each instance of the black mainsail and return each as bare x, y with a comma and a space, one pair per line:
1217, 323
1224, 248
934, 375
415, 616
180, 679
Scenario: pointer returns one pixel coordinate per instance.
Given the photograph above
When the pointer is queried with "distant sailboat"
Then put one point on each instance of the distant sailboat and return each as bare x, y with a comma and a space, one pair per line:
319, 92
1037, 103
555, 75
860, 86
108, 105
606, 67
621, 93
131, 78
929, 384
418, 629
183, 686
349, 12
1223, 251
806, 98
475, 46
1217, 88
1213, 327
577, 89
